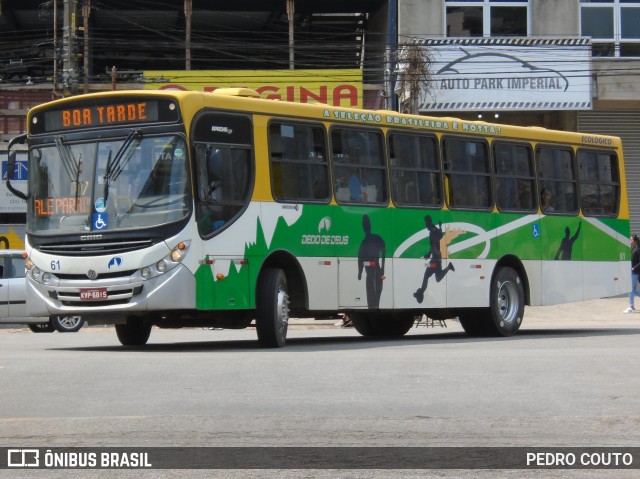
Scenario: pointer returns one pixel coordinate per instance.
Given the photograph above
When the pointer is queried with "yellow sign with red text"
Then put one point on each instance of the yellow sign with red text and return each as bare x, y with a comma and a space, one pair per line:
341, 88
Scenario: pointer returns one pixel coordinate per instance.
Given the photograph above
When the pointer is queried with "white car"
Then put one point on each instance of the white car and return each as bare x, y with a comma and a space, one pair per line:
13, 296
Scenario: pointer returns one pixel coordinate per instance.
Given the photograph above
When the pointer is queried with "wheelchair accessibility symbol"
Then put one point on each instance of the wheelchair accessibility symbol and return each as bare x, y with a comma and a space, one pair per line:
536, 231
100, 221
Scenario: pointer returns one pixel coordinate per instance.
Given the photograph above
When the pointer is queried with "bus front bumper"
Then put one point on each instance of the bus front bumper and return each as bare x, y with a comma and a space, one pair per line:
174, 290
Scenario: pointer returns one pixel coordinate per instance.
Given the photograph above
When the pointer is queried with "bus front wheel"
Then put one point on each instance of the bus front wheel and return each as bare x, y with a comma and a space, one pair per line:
272, 308
135, 332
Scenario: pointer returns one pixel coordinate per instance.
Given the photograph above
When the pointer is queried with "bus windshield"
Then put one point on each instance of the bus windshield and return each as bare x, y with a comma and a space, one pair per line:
136, 182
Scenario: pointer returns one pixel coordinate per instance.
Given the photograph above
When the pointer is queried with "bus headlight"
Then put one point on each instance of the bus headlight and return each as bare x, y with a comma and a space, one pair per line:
172, 260
28, 264
46, 277
35, 272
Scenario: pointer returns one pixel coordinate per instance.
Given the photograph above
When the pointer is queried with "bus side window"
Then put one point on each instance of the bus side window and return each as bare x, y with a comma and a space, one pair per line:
209, 175
359, 166
299, 166
415, 173
468, 173
515, 180
599, 182
223, 174
557, 176
201, 168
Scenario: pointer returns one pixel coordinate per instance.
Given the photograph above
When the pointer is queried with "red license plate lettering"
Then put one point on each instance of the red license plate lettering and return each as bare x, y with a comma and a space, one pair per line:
93, 294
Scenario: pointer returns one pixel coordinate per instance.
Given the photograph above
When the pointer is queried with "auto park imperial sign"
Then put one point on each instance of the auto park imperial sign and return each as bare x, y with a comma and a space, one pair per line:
508, 74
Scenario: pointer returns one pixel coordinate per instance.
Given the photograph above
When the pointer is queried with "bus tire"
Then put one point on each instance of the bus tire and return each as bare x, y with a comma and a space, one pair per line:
504, 315
393, 324
471, 320
67, 324
135, 332
382, 324
506, 310
363, 324
272, 308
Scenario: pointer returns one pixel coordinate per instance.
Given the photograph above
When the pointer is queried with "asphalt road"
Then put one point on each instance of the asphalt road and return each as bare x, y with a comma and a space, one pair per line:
568, 379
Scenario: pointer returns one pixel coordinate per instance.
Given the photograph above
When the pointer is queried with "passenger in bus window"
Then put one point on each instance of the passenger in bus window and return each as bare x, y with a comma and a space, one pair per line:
545, 201
525, 195
214, 165
355, 187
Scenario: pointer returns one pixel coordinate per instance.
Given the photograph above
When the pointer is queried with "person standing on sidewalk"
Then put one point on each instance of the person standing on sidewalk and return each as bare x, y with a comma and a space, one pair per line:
635, 272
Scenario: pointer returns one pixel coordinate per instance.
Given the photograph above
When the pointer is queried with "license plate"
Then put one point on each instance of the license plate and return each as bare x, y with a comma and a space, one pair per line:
93, 294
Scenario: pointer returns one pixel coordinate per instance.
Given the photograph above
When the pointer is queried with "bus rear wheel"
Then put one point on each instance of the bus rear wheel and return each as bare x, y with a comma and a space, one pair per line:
363, 324
382, 324
272, 308
135, 332
504, 315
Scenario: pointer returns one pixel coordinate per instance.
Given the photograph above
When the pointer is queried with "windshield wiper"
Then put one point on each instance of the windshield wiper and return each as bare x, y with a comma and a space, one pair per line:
71, 165
68, 161
116, 166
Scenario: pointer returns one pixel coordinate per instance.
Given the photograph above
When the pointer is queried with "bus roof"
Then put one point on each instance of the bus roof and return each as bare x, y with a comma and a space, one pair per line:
249, 100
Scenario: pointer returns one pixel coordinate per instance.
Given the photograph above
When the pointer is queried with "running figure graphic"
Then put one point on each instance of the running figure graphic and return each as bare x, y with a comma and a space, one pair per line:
371, 258
435, 256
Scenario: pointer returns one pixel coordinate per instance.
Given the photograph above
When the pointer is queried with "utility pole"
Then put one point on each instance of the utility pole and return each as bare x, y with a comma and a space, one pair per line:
55, 49
291, 16
188, 10
69, 37
86, 11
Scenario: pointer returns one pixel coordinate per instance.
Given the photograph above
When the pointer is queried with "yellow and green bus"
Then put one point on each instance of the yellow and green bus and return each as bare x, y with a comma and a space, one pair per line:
188, 209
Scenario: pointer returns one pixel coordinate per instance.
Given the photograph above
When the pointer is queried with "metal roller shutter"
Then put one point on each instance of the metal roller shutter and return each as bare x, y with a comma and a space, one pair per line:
626, 125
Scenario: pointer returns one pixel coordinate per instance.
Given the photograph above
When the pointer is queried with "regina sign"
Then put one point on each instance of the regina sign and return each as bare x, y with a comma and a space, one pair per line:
341, 88
509, 74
